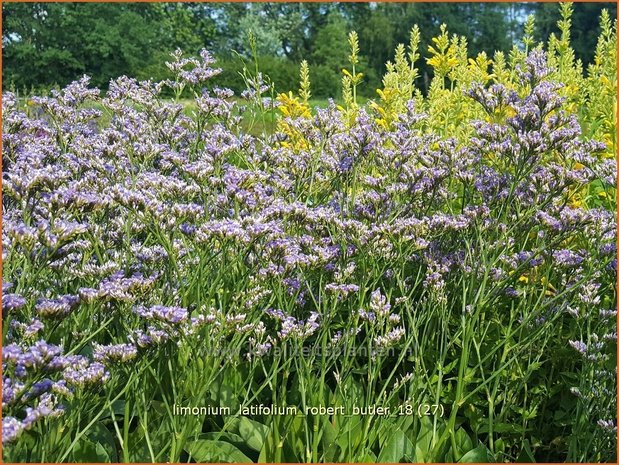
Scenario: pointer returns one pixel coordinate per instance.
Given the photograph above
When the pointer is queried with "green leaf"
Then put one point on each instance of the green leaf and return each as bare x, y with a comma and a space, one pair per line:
329, 437
396, 448
479, 454
450, 366
88, 451
502, 428
499, 446
253, 433
264, 452
526, 455
231, 438
420, 455
295, 436
463, 443
424, 437
206, 450
350, 431
99, 434
118, 407
222, 393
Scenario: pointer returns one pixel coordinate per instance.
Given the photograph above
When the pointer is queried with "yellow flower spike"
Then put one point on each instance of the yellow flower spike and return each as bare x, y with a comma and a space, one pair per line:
435, 61
510, 112
551, 290
304, 84
575, 203
523, 279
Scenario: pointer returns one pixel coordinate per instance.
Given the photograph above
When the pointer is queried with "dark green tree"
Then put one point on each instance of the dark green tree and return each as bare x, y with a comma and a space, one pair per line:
45, 44
585, 25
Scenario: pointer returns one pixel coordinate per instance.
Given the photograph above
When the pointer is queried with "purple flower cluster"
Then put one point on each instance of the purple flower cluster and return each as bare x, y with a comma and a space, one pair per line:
38, 376
172, 315
56, 308
117, 353
47, 407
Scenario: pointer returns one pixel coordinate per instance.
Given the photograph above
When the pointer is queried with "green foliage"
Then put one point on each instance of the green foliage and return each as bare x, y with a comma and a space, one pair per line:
278, 26
210, 451
327, 50
46, 44
282, 72
585, 25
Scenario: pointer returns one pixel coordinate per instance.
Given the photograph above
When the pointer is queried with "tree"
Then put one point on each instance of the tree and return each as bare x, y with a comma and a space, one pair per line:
585, 25
53, 43
45, 44
188, 26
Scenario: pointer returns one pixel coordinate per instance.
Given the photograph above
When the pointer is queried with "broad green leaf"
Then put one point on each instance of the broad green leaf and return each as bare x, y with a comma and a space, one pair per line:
526, 455
370, 457
420, 455
253, 433
266, 449
118, 407
207, 450
396, 448
87, 451
350, 432
463, 443
295, 435
234, 439
479, 454
329, 436
99, 434
424, 437
329, 432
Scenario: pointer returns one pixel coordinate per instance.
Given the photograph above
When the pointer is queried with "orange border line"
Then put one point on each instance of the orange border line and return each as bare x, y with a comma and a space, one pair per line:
306, 1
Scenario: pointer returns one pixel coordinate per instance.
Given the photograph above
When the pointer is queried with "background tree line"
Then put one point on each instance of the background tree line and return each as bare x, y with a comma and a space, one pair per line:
51, 44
